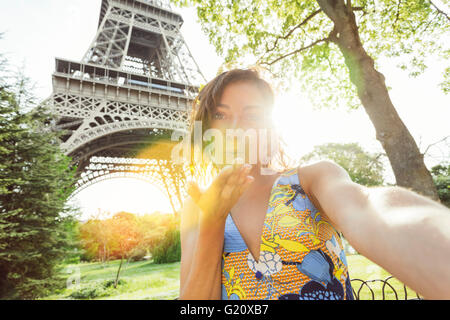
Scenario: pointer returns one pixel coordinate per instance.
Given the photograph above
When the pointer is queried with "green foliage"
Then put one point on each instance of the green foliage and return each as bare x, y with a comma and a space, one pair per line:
169, 248
441, 177
35, 182
271, 33
96, 289
90, 292
74, 251
138, 253
125, 235
111, 283
364, 168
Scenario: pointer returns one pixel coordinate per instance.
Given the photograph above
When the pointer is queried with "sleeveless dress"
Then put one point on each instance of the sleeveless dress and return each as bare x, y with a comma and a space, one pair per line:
301, 255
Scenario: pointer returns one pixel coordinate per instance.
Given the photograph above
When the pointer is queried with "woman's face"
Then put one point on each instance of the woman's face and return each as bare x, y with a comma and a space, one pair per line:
242, 106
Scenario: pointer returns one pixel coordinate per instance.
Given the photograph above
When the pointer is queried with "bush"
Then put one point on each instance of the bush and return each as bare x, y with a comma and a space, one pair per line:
96, 290
110, 283
169, 248
441, 178
138, 254
89, 292
72, 260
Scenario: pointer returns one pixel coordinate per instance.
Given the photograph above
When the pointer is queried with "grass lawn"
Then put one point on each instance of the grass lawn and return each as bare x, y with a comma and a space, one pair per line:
364, 269
146, 280
143, 280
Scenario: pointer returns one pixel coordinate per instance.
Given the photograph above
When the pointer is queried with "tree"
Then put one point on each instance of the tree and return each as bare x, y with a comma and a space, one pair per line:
364, 168
168, 248
35, 181
153, 227
332, 47
124, 235
73, 250
126, 238
441, 177
96, 238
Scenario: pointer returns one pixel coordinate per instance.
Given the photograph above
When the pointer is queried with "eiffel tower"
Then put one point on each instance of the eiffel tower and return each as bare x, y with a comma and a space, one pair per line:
134, 86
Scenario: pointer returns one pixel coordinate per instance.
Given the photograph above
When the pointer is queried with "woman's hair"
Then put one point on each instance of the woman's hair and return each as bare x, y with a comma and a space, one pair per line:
205, 103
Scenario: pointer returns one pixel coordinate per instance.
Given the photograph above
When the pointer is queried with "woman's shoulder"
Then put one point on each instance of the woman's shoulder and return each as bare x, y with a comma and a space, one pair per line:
318, 169
313, 171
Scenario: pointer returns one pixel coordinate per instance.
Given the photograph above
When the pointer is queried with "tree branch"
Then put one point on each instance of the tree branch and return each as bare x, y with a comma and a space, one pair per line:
349, 3
432, 144
294, 52
292, 30
429, 22
398, 13
440, 11
358, 9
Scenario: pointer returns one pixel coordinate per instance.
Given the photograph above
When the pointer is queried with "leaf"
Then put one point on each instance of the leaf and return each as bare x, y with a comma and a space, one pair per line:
225, 272
338, 273
239, 291
265, 247
289, 221
232, 273
280, 209
314, 239
291, 245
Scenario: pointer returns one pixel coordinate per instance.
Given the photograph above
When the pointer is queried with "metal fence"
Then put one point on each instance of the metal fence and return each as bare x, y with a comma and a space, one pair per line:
386, 288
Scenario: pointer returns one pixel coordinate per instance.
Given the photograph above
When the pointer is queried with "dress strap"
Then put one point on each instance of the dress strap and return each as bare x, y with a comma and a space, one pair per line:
289, 177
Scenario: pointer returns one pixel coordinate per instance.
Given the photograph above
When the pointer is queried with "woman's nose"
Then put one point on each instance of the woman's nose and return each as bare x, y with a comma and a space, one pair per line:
236, 122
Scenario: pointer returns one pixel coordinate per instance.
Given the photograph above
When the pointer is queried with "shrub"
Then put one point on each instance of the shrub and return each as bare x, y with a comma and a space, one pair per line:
441, 178
110, 283
89, 292
169, 248
96, 289
138, 254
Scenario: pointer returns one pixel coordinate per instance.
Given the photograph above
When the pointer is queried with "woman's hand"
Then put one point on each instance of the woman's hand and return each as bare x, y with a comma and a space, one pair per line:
217, 200
202, 232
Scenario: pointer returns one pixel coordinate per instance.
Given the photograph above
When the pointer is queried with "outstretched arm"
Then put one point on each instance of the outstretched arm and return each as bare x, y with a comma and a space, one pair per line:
403, 232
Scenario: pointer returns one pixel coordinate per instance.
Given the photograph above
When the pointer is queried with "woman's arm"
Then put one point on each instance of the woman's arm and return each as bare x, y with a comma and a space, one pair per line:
188, 236
202, 232
200, 263
405, 233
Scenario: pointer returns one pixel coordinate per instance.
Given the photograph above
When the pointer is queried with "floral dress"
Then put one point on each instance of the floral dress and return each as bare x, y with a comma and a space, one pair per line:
301, 255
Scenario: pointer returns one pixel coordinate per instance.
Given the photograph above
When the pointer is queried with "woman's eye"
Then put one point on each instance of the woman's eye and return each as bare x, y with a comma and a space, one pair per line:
254, 117
219, 116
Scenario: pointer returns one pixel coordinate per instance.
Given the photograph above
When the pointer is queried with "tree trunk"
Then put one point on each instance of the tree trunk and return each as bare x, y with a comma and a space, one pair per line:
404, 155
118, 273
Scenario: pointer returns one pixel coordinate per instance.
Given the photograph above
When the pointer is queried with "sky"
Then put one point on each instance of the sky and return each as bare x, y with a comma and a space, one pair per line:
35, 32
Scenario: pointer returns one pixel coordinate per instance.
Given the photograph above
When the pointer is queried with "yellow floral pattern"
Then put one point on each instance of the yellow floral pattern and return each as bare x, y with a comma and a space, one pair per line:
301, 255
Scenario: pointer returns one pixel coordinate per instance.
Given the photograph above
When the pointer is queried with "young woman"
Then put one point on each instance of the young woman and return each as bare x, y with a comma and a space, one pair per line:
277, 236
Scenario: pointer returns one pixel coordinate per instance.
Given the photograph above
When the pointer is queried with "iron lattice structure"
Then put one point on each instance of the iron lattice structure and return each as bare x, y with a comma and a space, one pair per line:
134, 86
